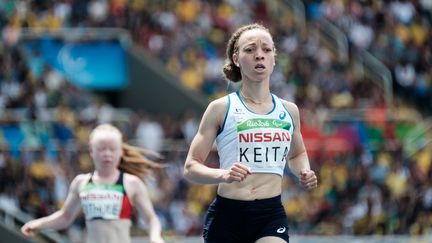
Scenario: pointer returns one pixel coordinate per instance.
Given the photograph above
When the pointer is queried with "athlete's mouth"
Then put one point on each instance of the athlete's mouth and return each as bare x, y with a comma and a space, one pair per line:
259, 66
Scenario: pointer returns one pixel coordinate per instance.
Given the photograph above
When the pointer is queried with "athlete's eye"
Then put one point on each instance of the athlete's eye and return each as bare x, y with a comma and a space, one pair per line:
248, 50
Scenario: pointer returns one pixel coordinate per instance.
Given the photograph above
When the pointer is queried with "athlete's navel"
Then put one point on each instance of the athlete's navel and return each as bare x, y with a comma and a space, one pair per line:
253, 190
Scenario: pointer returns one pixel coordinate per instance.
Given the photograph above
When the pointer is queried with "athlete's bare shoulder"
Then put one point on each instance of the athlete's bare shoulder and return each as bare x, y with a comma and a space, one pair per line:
291, 107
219, 105
79, 181
129, 178
83, 177
133, 184
215, 112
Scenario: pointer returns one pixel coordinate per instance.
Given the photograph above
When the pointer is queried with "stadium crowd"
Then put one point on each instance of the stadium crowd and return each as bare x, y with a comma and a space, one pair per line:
400, 27
368, 183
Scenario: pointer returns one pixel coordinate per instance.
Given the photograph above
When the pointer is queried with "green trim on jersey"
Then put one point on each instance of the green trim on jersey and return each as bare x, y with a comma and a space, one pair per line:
262, 123
110, 187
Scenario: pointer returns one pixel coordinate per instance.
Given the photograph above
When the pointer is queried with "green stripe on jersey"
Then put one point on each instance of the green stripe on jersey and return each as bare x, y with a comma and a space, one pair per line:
262, 123
109, 187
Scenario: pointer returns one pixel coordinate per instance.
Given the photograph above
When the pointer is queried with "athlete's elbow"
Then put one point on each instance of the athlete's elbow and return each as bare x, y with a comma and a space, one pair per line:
64, 219
190, 171
187, 170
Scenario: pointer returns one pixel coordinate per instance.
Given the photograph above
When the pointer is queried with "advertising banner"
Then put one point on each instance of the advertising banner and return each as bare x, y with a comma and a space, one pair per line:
94, 64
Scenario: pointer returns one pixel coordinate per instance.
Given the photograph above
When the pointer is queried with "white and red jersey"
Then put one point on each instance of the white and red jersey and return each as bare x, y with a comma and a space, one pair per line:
261, 141
105, 201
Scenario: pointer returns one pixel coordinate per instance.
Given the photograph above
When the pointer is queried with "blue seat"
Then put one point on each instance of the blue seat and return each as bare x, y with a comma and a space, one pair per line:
13, 137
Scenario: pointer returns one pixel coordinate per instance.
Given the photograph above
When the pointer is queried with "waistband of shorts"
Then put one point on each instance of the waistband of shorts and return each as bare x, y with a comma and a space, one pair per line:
267, 202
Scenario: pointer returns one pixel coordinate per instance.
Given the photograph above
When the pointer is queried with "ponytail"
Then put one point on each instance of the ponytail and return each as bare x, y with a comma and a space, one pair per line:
135, 161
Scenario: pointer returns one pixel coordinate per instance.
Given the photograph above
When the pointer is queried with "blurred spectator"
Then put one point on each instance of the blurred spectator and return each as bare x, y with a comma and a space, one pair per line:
149, 133
190, 125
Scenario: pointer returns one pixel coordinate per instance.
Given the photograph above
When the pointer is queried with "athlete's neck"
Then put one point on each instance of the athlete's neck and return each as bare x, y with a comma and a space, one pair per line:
102, 176
256, 98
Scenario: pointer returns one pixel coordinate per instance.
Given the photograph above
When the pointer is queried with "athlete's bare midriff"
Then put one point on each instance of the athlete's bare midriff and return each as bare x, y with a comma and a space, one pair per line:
108, 231
255, 186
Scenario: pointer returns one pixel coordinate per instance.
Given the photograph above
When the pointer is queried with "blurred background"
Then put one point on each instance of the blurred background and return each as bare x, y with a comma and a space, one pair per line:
360, 72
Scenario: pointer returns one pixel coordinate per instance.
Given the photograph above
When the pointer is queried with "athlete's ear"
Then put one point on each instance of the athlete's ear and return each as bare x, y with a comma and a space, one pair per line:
235, 59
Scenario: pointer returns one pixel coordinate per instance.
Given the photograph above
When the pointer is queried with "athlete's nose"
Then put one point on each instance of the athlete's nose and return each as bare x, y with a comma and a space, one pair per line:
259, 55
106, 153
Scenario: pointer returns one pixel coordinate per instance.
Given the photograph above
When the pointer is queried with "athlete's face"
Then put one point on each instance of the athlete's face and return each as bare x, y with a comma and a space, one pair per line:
106, 150
255, 55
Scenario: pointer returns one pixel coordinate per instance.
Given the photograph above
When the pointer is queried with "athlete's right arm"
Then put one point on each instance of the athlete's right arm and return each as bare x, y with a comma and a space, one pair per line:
61, 218
194, 169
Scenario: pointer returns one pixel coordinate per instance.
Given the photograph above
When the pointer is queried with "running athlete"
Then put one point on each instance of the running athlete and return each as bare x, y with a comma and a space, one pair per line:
108, 194
256, 134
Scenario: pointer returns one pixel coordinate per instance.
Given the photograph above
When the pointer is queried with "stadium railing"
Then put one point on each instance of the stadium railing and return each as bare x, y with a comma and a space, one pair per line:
378, 72
419, 138
338, 42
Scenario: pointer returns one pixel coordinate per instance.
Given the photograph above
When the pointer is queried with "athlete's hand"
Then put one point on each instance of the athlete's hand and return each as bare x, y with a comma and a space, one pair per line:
30, 229
308, 179
237, 172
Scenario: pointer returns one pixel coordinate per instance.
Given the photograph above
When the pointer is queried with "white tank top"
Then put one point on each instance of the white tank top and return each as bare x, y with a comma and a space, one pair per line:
261, 142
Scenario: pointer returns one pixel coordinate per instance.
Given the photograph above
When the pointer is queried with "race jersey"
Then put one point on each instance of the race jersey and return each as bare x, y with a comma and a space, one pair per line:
105, 201
261, 142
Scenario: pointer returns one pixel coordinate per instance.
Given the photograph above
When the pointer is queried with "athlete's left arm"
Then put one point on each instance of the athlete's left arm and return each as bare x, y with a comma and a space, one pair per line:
298, 160
137, 192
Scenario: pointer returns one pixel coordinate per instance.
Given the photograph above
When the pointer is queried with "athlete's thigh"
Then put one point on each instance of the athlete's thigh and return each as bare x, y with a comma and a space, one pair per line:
270, 239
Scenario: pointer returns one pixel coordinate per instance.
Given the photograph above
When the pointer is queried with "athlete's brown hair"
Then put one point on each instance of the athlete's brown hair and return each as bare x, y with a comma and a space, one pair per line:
230, 69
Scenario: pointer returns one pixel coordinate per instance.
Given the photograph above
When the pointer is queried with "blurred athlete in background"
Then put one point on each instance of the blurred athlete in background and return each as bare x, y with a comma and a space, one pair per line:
107, 195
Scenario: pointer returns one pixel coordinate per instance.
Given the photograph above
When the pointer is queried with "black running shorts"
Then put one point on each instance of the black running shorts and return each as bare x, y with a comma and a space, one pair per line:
235, 221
